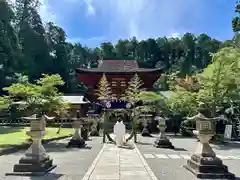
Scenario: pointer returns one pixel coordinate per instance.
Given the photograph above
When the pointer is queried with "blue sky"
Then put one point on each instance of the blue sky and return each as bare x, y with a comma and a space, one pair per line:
91, 22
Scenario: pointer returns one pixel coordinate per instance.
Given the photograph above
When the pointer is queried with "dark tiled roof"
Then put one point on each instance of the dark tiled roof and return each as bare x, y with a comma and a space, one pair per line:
117, 66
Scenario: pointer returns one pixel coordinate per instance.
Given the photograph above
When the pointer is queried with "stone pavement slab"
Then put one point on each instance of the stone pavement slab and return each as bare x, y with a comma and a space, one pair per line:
72, 163
167, 164
114, 163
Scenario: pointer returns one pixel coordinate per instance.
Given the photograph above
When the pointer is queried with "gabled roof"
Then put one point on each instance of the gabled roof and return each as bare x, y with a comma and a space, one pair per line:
117, 66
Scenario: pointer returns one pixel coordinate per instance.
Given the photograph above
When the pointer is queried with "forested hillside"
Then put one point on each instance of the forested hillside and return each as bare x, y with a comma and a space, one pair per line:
29, 47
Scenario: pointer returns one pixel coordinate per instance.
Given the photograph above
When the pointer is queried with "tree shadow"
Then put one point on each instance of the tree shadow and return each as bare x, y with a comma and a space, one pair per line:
172, 136
48, 176
127, 147
61, 147
144, 143
179, 149
226, 146
10, 129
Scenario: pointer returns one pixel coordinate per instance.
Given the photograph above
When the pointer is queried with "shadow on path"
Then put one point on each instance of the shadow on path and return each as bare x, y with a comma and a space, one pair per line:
48, 176
61, 147
10, 129
144, 143
227, 146
179, 149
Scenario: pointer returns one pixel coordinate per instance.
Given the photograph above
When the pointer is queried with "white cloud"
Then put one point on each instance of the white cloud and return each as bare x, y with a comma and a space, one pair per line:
175, 35
147, 18
45, 11
91, 42
90, 8
127, 18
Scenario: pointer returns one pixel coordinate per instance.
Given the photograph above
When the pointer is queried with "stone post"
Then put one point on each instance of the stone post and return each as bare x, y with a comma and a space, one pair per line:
162, 141
36, 161
204, 163
77, 140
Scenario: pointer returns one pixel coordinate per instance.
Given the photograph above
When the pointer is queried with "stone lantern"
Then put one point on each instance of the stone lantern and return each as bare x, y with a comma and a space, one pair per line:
162, 141
36, 161
204, 163
77, 140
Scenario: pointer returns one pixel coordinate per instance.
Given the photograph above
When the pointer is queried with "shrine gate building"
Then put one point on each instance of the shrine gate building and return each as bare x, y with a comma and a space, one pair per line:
118, 74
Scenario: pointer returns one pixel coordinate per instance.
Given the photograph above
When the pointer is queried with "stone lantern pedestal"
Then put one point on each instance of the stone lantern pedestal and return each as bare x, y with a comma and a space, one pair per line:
77, 140
36, 161
84, 130
162, 141
145, 132
204, 163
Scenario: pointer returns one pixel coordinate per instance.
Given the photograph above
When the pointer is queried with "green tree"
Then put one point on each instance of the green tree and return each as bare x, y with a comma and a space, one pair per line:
220, 80
107, 51
8, 44
236, 24
40, 98
31, 34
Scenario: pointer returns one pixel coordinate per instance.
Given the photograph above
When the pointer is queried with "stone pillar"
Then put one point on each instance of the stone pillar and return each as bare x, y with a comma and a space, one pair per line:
77, 140
162, 141
84, 130
204, 163
145, 132
36, 161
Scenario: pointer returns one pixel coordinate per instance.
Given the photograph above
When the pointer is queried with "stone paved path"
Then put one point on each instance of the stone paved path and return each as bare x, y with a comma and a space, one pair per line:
183, 156
72, 163
114, 163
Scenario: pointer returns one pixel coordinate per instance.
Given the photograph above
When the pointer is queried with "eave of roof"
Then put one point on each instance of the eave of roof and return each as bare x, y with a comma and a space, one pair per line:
99, 71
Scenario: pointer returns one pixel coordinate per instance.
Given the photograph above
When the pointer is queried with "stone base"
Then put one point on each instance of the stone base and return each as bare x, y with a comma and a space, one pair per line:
94, 133
146, 133
163, 143
79, 143
208, 168
32, 167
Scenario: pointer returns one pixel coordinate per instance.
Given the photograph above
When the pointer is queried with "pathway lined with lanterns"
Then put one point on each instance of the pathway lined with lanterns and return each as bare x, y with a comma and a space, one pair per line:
125, 163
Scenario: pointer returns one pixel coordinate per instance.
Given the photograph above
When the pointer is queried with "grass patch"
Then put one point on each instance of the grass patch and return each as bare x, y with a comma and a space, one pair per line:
17, 135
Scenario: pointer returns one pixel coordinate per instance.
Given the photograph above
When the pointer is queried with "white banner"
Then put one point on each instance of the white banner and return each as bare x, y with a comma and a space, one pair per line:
228, 132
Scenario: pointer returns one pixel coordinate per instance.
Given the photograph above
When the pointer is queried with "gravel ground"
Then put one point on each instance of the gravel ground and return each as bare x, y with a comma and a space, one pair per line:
71, 163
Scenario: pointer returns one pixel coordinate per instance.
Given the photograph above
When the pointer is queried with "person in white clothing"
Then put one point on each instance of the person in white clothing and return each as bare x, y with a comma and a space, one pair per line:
119, 131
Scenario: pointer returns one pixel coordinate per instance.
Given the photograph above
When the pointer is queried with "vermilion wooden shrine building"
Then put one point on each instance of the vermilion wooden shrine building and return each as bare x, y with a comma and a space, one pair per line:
118, 74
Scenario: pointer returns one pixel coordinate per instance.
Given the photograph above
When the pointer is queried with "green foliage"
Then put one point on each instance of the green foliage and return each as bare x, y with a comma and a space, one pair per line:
220, 81
40, 98
4, 102
150, 97
30, 47
219, 84
236, 20
182, 103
